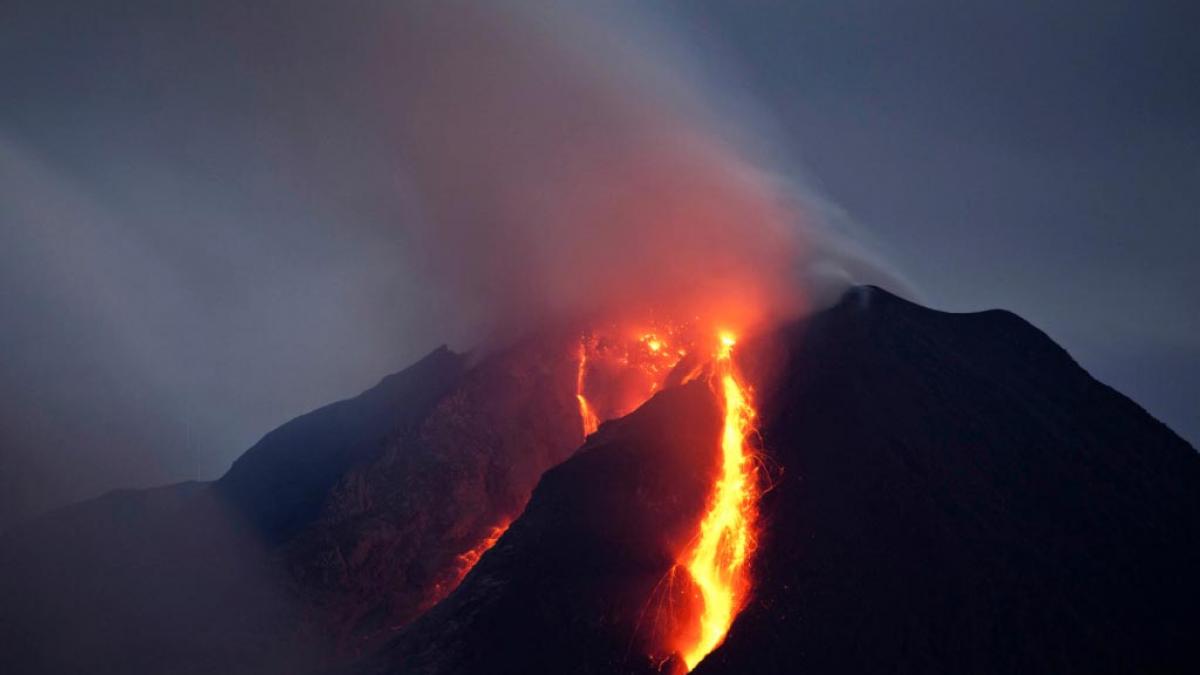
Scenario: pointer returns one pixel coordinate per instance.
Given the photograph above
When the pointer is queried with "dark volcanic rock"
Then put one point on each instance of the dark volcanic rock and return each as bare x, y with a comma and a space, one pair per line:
188, 578
958, 495
576, 584
393, 528
281, 484
952, 493
333, 529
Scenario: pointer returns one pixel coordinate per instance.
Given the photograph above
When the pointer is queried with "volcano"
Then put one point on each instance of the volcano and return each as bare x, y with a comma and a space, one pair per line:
931, 492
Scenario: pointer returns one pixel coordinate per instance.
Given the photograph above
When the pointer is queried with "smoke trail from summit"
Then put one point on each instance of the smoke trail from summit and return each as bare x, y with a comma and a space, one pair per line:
562, 166
221, 233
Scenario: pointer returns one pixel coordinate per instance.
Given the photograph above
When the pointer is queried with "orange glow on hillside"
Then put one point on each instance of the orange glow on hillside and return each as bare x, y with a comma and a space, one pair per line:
466, 560
620, 368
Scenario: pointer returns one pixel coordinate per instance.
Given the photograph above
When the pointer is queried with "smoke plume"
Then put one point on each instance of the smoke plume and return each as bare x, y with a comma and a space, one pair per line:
218, 216
567, 164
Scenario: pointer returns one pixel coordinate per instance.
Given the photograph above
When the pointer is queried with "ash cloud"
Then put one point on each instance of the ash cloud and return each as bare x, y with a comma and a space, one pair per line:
568, 163
218, 216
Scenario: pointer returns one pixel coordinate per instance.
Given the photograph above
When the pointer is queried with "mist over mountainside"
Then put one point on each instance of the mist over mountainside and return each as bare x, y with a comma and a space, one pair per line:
214, 215
949, 493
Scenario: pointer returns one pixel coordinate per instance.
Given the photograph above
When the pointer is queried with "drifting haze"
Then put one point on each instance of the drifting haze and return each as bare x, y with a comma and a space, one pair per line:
217, 215
563, 167
304, 200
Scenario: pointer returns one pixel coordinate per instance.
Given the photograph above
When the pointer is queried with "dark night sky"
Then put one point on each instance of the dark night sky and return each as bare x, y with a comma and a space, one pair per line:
197, 215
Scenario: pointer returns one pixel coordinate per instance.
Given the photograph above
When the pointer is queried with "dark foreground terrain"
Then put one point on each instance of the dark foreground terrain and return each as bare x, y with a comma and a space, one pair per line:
950, 493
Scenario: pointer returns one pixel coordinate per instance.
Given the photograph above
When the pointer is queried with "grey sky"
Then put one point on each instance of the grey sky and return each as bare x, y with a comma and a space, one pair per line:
192, 197
1038, 156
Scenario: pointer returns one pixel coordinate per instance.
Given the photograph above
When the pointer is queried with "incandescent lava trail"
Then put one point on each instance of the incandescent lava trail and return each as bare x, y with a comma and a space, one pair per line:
717, 560
617, 370
639, 363
586, 414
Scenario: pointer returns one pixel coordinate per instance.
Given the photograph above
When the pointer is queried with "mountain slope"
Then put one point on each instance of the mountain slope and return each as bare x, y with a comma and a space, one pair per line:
280, 484
961, 496
950, 493
571, 586
333, 528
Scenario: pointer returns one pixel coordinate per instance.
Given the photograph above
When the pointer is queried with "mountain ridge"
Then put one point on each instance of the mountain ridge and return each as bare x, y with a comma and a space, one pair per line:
940, 483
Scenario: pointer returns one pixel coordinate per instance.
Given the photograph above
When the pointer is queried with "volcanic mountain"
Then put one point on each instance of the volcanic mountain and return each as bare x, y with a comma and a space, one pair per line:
938, 493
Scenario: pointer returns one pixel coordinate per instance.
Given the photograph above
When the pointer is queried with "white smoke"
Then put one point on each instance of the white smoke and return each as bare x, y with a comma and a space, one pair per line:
567, 163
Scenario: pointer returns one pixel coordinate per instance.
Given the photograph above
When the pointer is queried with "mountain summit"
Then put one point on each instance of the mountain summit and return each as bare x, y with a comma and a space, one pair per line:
942, 493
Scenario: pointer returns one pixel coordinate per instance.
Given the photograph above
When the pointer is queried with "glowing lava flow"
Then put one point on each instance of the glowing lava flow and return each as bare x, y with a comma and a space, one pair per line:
717, 561
586, 414
468, 559
627, 369
623, 368
464, 562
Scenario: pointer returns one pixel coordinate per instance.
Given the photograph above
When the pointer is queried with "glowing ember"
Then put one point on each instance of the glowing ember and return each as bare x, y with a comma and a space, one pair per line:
717, 560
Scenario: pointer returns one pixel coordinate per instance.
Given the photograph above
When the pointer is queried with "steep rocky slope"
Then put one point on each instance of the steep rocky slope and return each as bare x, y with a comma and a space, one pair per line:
335, 528
948, 493
960, 496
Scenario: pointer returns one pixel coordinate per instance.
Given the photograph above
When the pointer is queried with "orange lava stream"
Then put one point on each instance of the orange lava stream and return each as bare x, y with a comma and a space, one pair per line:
717, 562
464, 562
468, 559
636, 364
586, 414
628, 366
